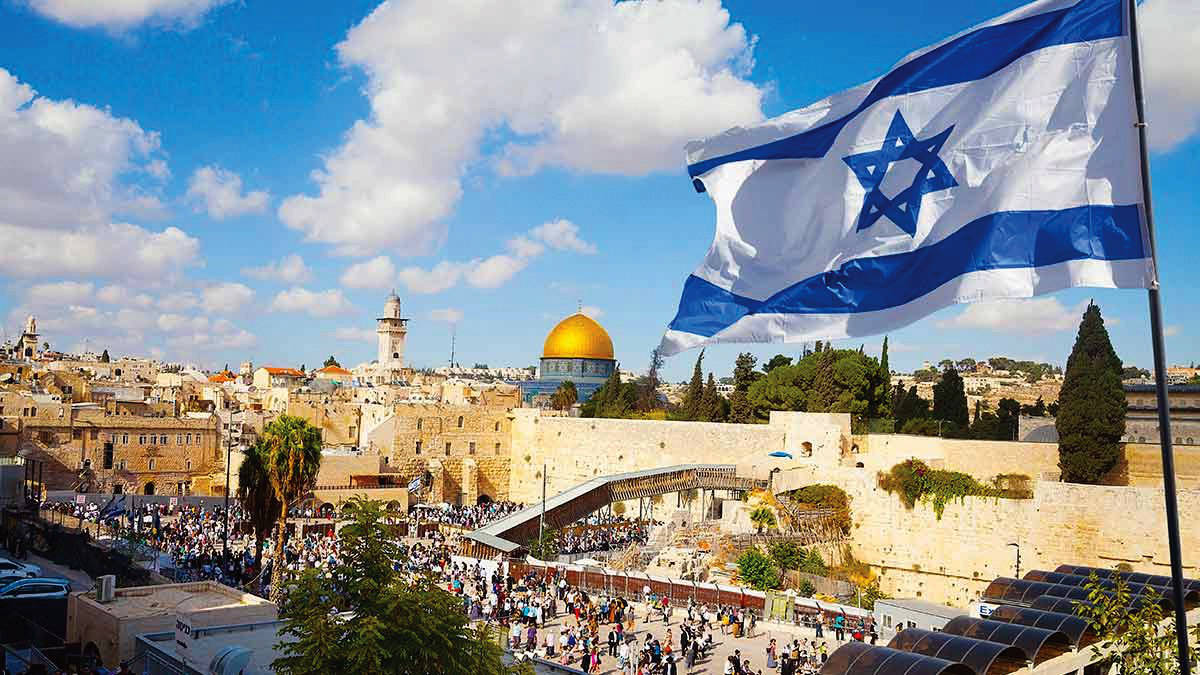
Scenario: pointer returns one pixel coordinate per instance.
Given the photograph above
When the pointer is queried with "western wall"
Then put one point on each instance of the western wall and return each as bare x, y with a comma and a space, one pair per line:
915, 554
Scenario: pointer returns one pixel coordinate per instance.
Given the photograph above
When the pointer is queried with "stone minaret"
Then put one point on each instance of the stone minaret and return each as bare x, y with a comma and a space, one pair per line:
392, 330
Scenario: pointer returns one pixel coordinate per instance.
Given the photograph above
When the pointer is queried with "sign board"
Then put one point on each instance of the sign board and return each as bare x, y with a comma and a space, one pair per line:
985, 610
174, 501
80, 499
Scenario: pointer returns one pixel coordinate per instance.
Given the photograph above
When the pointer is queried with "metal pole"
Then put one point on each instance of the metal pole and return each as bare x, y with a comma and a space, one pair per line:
228, 458
542, 520
1160, 359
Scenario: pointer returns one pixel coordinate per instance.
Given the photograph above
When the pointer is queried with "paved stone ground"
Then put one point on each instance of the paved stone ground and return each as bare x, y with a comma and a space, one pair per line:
752, 647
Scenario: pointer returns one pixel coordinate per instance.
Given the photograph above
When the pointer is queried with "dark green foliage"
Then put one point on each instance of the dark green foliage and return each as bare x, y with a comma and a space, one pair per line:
744, 375
104, 356
648, 388
1001, 426
1091, 414
757, 570
565, 396
950, 401
925, 375
912, 480
777, 361
363, 616
912, 411
882, 398
713, 406
257, 496
328, 362
613, 399
1032, 370
1134, 373
806, 589
786, 555
545, 548
692, 399
966, 365
829, 380
292, 457
1036, 410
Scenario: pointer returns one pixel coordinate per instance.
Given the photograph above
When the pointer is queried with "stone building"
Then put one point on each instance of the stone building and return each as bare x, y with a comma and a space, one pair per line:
269, 377
121, 452
27, 345
339, 421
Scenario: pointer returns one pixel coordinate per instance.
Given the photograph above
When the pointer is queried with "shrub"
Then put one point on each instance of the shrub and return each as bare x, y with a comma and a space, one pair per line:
913, 481
786, 555
757, 570
825, 497
806, 588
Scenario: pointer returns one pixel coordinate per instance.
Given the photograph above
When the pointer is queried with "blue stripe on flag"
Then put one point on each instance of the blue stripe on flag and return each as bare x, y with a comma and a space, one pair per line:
1004, 240
970, 57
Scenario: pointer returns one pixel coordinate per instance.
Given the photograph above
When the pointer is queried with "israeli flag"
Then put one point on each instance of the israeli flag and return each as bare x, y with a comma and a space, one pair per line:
1000, 163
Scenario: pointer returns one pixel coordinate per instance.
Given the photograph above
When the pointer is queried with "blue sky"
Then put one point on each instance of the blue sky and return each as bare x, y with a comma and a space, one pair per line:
496, 166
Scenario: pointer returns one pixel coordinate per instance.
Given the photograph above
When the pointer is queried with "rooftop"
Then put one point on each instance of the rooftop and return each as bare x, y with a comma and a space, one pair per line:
291, 372
170, 599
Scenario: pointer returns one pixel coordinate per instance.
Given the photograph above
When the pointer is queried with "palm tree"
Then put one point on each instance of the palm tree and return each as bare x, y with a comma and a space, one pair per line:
763, 517
292, 459
257, 496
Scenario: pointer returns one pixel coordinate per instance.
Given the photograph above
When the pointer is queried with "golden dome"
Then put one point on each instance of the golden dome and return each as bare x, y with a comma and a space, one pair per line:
578, 337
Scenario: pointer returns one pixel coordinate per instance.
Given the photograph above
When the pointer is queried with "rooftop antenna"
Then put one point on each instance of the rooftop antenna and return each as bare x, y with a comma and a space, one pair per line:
579, 304
453, 334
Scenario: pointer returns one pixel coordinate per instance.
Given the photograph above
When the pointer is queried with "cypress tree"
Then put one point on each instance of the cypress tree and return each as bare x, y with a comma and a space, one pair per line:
740, 409
711, 409
950, 399
695, 390
1091, 405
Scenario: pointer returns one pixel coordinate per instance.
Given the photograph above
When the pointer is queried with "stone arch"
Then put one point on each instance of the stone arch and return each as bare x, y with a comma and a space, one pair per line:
460, 421
148, 489
483, 499
393, 505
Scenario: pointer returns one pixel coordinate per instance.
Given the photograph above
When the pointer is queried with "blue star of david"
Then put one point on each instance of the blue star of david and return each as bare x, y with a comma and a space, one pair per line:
870, 168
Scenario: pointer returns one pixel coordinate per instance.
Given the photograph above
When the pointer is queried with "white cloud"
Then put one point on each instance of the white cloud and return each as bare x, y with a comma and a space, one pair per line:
562, 235
318, 304
178, 300
495, 271
447, 315
119, 15
377, 273
60, 293
643, 78
113, 251
64, 164
219, 192
290, 270
171, 323
1170, 31
1035, 316
226, 298
440, 277
592, 311
351, 334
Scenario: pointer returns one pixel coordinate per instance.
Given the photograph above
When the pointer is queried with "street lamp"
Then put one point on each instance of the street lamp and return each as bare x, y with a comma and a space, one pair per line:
1018, 547
228, 459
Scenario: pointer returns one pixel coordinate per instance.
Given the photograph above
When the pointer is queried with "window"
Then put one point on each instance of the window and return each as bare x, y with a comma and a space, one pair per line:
497, 426
887, 620
95, 435
179, 439
418, 424
124, 439
471, 448
121, 465
187, 439
150, 464
77, 434
108, 455
460, 421
497, 448
447, 448
188, 464
418, 447
142, 439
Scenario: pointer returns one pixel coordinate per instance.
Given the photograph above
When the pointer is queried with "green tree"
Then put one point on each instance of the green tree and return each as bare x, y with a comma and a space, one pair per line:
966, 365
546, 546
648, 389
1008, 417
292, 455
806, 589
950, 400
1038, 409
831, 380
763, 518
328, 362
104, 358
1134, 373
614, 398
396, 623
882, 396
744, 375
786, 555
693, 398
712, 404
257, 496
777, 361
1091, 414
813, 563
757, 570
1136, 637
565, 396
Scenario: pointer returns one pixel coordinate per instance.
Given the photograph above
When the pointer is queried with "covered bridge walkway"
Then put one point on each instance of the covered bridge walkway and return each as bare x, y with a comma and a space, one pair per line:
514, 531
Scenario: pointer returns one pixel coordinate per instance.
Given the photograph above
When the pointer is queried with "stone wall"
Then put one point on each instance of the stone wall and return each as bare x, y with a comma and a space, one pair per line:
338, 421
436, 430
579, 449
982, 459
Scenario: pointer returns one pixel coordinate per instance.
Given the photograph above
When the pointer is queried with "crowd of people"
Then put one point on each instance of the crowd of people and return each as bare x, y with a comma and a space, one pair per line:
470, 517
605, 537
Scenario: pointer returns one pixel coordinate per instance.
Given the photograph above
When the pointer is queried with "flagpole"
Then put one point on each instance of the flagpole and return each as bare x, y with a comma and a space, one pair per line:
1160, 360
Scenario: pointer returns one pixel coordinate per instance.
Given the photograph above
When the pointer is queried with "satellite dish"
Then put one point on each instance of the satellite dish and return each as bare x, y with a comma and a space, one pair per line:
230, 660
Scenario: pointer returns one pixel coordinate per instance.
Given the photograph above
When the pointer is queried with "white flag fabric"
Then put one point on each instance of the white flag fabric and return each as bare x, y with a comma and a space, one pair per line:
1000, 163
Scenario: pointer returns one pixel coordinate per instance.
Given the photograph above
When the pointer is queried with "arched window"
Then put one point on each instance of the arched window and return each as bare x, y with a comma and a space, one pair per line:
418, 424
460, 421
497, 426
